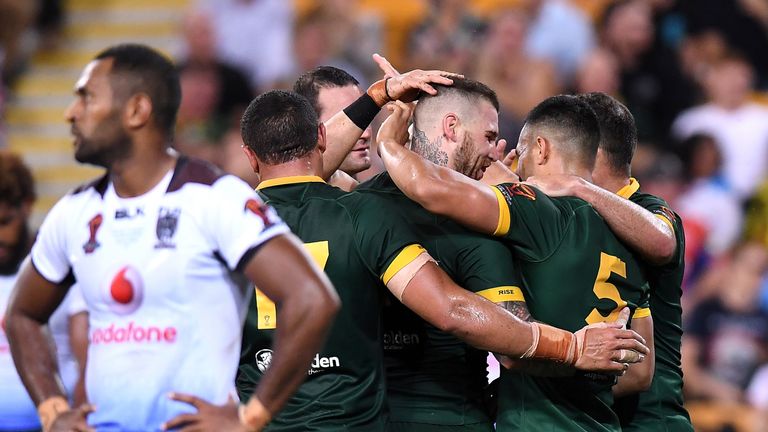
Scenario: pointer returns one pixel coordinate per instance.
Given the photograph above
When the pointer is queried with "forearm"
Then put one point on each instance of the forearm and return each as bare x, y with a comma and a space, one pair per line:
648, 235
439, 189
341, 135
32, 351
303, 321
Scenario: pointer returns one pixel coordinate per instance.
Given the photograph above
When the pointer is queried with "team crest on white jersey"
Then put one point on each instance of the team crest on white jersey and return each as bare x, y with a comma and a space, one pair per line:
263, 360
125, 292
167, 222
93, 228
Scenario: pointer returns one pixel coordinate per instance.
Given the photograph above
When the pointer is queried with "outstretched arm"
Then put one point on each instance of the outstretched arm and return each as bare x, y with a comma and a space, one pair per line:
345, 128
652, 237
429, 292
438, 189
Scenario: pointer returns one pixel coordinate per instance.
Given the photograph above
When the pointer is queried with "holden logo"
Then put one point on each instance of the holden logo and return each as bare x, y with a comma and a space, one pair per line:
263, 359
125, 291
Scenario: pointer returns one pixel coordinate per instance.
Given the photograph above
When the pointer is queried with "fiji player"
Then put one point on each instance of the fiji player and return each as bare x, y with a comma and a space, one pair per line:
576, 270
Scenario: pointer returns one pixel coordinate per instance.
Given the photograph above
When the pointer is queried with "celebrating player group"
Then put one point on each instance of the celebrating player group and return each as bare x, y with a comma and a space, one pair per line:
315, 303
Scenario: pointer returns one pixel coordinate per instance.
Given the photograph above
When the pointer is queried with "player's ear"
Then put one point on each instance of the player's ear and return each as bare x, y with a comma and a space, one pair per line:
252, 159
321, 138
138, 110
541, 150
450, 123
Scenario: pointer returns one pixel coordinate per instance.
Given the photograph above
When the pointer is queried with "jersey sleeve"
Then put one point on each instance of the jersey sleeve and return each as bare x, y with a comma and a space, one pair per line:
49, 253
75, 301
531, 220
487, 268
238, 221
383, 236
662, 210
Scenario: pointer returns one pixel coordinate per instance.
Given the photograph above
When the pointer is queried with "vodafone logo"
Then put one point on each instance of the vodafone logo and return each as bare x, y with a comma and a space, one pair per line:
125, 291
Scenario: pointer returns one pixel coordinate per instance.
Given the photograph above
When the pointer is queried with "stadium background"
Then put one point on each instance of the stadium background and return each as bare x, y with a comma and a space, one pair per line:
693, 72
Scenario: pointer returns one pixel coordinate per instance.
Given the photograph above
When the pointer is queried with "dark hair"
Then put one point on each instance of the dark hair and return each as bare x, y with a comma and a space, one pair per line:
310, 83
279, 126
472, 91
618, 132
149, 72
574, 122
16, 183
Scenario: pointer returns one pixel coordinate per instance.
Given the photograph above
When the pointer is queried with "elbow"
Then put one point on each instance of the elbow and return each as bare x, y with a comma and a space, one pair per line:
454, 319
663, 251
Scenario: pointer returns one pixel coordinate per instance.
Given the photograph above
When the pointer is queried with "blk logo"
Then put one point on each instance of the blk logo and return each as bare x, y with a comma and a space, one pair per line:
125, 291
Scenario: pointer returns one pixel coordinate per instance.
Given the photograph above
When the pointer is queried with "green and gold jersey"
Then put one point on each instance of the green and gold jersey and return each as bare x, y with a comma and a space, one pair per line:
359, 242
576, 272
660, 408
433, 377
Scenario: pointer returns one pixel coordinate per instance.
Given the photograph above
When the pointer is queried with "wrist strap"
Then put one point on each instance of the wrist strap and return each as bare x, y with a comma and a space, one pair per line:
49, 409
378, 91
362, 111
553, 344
254, 415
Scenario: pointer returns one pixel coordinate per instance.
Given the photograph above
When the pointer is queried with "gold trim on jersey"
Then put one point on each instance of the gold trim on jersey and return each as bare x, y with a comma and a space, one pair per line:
502, 294
280, 181
641, 313
666, 221
405, 257
629, 189
502, 228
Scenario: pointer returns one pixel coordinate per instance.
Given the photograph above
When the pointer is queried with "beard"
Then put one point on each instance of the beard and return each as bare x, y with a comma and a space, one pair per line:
19, 250
466, 160
109, 144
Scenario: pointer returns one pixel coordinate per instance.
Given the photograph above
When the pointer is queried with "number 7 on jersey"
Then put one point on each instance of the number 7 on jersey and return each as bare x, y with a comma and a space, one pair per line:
265, 307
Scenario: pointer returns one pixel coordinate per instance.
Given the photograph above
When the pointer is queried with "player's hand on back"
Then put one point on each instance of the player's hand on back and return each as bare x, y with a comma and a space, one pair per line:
208, 418
556, 185
609, 347
73, 420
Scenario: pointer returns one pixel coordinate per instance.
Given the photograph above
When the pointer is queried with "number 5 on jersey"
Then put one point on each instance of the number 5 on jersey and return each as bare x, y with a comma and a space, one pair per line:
605, 290
265, 307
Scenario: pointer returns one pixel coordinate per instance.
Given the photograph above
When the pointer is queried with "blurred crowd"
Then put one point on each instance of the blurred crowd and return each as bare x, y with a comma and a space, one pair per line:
693, 73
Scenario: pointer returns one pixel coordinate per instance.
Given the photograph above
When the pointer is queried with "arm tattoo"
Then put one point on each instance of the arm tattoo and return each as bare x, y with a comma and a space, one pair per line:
518, 309
430, 151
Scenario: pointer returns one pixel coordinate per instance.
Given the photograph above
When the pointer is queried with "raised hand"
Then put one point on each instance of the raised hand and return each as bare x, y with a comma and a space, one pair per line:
406, 86
395, 127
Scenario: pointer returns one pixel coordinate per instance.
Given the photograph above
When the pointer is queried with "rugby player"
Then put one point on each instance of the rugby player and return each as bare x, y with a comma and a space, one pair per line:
434, 380
361, 242
156, 245
657, 234
330, 90
69, 323
576, 270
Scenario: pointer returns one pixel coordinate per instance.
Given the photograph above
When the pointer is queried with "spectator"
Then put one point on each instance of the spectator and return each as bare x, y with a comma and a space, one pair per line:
599, 72
560, 33
727, 334
255, 35
520, 81
652, 84
739, 126
706, 190
446, 39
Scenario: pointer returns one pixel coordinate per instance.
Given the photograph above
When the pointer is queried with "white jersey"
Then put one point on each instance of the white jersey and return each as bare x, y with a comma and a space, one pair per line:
155, 271
17, 411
